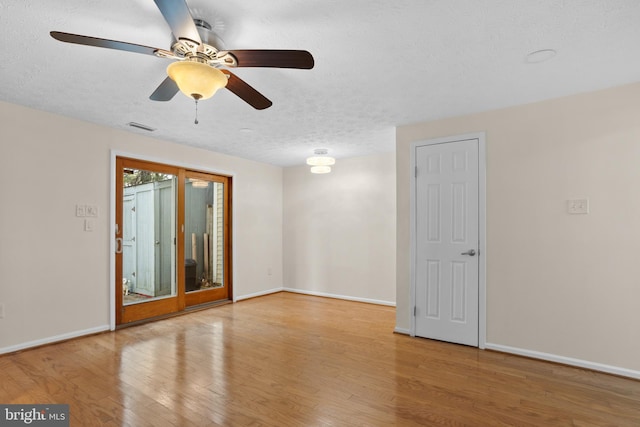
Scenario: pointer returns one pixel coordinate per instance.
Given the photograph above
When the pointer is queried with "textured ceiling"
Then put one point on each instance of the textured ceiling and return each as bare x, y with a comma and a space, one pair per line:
379, 64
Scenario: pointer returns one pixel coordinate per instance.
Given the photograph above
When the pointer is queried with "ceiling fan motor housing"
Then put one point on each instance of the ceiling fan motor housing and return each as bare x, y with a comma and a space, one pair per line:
207, 51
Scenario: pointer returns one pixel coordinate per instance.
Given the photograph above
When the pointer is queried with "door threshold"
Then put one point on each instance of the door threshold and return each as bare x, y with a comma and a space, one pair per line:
187, 310
206, 305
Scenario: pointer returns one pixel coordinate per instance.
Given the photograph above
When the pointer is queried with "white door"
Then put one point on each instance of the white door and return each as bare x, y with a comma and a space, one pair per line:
145, 240
446, 263
164, 220
129, 240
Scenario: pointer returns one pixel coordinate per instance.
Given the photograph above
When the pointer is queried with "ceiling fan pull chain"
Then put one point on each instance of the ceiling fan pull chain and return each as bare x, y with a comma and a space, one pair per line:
196, 121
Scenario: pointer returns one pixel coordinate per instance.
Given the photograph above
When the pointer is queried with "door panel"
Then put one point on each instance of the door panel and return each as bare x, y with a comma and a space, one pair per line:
145, 242
206, 236
164, 232
146, 284
446, 281
129, 242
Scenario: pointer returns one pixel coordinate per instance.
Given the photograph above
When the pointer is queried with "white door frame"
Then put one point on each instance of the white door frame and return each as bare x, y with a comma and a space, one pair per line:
482, 248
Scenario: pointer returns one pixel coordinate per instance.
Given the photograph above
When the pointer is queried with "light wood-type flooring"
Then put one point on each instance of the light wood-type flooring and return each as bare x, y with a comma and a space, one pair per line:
295, 360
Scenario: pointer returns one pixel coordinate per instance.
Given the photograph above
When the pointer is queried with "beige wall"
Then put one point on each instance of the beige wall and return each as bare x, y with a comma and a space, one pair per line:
560, 284
339, 229
53, 275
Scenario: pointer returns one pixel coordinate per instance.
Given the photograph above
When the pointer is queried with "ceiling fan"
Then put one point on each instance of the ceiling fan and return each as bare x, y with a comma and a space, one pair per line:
197, 70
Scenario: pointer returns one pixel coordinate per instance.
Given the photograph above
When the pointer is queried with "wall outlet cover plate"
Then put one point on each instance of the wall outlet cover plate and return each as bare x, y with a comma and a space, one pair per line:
578, 206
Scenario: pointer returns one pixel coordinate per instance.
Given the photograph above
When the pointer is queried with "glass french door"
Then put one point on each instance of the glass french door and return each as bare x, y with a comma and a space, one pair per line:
206, 238
173, 235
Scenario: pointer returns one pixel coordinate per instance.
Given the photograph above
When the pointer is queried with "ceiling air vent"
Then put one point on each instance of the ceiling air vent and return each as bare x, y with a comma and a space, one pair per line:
141, 126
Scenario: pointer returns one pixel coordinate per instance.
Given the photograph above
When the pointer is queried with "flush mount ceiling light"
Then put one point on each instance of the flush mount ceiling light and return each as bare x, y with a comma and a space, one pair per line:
539, 56
320, 169
198, 183
321, 163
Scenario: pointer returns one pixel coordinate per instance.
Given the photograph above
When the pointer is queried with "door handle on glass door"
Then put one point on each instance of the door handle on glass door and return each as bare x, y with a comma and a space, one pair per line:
470, 252
118, 245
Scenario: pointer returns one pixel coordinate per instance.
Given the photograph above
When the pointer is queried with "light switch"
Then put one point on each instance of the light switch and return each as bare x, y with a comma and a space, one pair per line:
92, 210
88, 225
578, 206
81, 211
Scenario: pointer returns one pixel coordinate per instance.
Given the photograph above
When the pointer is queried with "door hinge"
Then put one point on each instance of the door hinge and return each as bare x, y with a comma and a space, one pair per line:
415, 311
415, 172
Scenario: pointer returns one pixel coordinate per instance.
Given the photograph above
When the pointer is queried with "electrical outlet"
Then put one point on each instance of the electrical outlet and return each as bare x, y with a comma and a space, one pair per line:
578, 206
88, 225
81, 211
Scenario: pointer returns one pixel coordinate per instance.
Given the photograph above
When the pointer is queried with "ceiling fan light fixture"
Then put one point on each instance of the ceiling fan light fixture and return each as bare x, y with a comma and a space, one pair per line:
196, 80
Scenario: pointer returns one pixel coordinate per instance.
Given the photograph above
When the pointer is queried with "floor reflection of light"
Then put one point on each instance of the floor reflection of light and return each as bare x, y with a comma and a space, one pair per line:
179, 368
217, 387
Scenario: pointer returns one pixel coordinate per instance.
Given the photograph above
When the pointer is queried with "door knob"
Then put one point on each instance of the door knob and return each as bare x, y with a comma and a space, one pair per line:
470, 252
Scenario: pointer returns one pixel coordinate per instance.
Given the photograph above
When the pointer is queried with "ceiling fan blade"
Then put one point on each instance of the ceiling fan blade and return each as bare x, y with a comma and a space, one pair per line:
166, 91
177, 15
273, 58
246, 92
94, 41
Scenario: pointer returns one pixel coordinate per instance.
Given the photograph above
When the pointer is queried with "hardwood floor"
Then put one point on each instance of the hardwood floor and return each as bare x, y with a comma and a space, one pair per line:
296, 360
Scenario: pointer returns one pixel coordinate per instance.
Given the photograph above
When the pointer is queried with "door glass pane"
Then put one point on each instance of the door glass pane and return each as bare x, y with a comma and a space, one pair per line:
148, 236
204, 235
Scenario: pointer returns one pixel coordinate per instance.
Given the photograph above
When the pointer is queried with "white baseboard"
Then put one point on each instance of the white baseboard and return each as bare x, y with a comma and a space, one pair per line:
402, 331
76, 334
257, 294
344, 297
624, 372
54, 339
